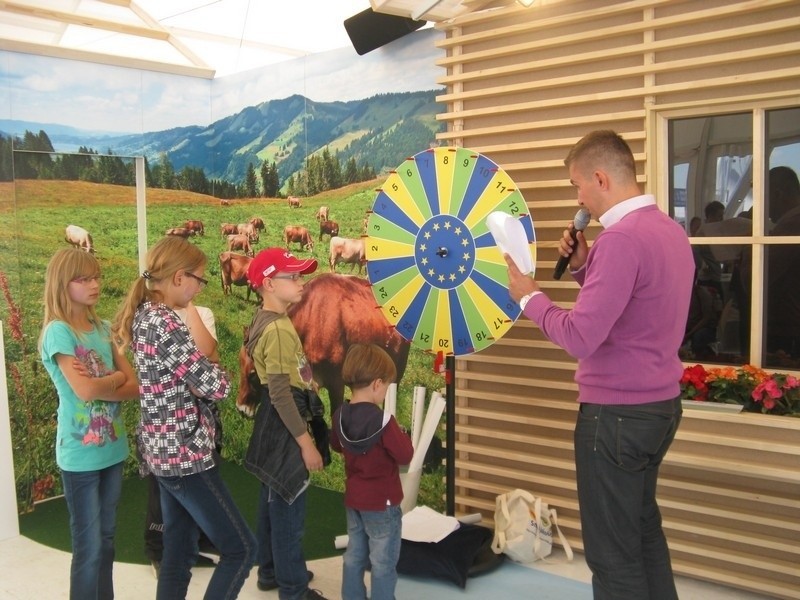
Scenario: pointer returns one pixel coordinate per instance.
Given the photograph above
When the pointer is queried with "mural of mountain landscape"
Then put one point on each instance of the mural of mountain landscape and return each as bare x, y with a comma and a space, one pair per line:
378, 132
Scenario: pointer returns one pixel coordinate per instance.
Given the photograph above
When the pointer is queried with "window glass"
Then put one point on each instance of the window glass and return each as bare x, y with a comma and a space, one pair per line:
782, 274
711, 162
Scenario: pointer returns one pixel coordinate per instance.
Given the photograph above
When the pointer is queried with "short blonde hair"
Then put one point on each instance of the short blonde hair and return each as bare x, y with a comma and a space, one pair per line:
603, 149
365, 363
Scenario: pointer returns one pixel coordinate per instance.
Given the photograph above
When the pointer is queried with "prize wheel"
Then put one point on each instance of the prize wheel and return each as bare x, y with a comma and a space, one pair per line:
435, 269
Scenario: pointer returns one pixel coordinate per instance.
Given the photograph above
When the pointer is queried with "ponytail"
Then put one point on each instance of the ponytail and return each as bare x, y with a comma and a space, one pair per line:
123, 321
166, 257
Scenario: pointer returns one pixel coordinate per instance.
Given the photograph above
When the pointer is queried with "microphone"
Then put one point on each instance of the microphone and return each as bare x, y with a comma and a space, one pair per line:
579, 223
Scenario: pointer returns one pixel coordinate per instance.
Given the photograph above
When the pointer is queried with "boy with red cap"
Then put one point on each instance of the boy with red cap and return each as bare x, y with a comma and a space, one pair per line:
281, 451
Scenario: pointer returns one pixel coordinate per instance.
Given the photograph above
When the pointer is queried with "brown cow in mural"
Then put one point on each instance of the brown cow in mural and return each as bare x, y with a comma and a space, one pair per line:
233, 271
227, 229
180, 232
330, 228
196, 226
296, 234
347, 251
247, 229
327, 328
240, 242
322, 214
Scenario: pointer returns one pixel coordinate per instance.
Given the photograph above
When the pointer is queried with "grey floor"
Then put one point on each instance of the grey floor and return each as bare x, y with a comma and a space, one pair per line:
33, 571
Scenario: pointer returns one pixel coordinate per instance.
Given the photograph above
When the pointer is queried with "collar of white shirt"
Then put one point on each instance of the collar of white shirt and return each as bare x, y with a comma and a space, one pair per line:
615, 213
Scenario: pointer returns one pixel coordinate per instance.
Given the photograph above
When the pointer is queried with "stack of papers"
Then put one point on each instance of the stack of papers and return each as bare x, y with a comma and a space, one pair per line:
423, 524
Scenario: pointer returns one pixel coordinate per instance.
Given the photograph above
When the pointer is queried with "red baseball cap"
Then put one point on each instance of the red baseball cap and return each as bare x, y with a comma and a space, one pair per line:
270, 261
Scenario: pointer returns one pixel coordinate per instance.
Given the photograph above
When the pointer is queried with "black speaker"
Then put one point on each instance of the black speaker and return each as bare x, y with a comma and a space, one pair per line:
369, 30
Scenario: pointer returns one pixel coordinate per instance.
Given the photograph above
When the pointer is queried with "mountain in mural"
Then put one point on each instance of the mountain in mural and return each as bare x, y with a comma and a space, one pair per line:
379, 131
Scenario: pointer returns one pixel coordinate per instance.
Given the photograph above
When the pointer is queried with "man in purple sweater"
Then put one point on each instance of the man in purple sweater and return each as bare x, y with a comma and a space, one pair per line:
625, 330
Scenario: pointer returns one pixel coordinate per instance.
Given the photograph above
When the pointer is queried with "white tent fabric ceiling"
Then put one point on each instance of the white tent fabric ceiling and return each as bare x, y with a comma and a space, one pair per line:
205, 38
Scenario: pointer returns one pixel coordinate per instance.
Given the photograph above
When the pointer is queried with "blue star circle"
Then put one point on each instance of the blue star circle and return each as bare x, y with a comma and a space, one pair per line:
445, 252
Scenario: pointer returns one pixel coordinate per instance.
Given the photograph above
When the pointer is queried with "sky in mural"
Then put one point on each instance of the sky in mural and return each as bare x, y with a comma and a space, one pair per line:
114, 99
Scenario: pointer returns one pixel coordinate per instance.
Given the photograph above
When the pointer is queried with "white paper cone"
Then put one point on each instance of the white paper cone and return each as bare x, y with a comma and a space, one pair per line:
410, 483
435, 410
340, 541
417, 414
390, 401
470, 519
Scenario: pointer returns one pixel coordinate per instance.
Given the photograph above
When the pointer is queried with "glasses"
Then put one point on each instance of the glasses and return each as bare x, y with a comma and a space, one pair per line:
200, 280
88, 279
292, 277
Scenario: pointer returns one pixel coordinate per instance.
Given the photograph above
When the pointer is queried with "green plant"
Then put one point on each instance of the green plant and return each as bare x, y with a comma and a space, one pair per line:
24, 422
753, 388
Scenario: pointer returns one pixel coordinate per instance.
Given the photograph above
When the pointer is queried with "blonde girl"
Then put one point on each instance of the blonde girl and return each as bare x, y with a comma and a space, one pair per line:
177, 428
91, 377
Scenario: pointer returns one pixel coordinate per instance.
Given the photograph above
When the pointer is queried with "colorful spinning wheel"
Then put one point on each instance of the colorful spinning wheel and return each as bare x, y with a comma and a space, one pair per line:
435, 269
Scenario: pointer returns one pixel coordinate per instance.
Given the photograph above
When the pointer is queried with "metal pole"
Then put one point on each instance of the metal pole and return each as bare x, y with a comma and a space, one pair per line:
450, 412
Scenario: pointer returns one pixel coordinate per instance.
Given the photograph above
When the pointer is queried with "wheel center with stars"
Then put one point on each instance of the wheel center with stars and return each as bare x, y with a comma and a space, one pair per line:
445, 252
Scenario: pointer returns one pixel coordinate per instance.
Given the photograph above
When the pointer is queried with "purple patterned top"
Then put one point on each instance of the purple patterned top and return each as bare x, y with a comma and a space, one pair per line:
177, 428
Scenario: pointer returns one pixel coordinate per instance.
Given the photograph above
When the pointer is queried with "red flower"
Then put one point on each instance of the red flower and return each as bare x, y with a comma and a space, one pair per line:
693, 382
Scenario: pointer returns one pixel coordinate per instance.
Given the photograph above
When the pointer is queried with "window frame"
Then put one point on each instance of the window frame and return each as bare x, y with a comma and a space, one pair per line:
657, 182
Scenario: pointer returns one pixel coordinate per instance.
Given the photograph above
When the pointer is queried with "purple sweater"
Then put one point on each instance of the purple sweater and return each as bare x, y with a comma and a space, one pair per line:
630, 316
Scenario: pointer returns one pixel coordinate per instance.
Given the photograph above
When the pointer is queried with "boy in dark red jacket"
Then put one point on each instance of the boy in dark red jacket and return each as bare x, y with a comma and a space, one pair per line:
374, 447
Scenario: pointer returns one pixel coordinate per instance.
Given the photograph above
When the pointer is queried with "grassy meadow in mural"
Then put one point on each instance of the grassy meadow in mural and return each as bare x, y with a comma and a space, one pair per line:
33, 228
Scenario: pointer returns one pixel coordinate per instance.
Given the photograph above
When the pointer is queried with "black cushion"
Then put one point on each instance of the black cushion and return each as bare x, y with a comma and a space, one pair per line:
464, 553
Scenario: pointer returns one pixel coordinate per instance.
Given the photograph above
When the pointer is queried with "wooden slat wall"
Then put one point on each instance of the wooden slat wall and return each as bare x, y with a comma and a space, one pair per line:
523, 85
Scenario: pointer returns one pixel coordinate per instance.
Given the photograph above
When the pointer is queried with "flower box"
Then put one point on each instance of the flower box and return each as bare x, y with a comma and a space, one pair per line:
747, 387
712, 406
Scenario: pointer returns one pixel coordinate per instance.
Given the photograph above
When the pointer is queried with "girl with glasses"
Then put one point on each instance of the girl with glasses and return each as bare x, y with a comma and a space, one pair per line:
177, 428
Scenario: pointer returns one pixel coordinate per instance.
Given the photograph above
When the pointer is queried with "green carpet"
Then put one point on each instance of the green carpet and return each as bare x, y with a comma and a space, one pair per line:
325, 517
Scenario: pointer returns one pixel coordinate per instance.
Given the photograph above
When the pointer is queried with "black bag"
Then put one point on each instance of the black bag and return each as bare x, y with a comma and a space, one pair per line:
318, 428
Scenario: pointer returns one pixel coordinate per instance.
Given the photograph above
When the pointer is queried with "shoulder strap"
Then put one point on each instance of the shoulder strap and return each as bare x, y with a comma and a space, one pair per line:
561, 538
502, 518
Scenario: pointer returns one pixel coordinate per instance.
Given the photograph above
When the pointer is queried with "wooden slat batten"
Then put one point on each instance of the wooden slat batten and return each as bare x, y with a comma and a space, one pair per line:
522, 86
532, 126
631, 50
718, 60
603, 25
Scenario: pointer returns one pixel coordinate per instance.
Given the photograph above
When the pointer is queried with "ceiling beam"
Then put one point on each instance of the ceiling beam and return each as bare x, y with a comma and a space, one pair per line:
82, 20
105, 59
173, 40
430, 10
232, 41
